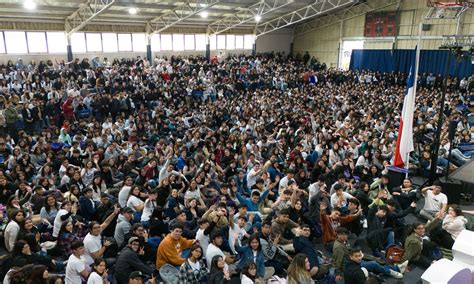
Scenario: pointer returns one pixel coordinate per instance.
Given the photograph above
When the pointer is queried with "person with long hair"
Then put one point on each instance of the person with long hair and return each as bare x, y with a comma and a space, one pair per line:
249, 273
68, 235
99, 272
193, 270
253, 253
22, 255
13, 228
218, 274
29, 274
298, 271
49, 211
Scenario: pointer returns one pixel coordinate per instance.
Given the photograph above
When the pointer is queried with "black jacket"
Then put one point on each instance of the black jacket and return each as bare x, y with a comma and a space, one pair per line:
127, 262
353, 273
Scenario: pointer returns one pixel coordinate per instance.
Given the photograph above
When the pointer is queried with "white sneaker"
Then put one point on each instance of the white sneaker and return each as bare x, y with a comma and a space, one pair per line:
403, 266
396, 274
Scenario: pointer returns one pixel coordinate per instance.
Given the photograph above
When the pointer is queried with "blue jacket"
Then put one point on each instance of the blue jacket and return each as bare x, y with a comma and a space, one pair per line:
242, 186
252, 207
246, 254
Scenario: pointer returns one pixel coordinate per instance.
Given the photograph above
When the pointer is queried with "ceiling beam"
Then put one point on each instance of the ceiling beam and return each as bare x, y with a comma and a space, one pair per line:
85, 14
343, 15
261, 8
178, 14
318, 8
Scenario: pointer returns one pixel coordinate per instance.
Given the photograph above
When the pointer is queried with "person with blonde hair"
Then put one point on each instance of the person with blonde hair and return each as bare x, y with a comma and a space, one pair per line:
298, 271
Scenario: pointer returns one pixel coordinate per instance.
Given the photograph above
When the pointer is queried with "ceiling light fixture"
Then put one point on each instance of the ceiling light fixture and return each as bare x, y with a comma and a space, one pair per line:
204, 14
132, 11
258, 18
29, 4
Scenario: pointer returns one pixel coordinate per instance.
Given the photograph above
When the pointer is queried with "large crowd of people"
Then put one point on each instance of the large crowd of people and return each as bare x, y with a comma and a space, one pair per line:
235, 170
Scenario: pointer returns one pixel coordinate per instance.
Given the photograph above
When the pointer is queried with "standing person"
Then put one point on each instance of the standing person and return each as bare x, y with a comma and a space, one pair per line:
172, 246
193, 270
298, 271
76, 267
99, 272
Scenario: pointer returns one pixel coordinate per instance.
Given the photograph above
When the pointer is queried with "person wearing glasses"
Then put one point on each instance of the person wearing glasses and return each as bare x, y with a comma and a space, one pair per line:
171, 248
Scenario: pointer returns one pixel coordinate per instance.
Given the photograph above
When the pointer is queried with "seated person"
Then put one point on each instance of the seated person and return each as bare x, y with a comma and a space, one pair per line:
341, 250
285, 229
417, 248
378, 236
172, 246
447, 229
129, 261
436, 202
329, 223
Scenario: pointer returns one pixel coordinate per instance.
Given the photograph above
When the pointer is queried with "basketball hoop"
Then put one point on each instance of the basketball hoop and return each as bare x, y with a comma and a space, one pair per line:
447, 9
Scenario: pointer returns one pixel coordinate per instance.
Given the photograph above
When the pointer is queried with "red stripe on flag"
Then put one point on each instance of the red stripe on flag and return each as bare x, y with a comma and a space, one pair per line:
398, 162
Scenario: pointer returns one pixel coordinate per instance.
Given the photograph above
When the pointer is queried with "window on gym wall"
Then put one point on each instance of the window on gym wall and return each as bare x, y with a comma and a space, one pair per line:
109, 42
189, 42
94, 42
37, 42
178, 42
155, 42
57, 42
200, 42
2, 43
124, 42
166, 42
230, 42
213, 41
239, 42
16, 42
220, 41
78, 43
248, 41
139, 42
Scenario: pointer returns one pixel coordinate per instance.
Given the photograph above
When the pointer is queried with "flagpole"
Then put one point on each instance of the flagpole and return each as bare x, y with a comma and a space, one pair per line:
415, 82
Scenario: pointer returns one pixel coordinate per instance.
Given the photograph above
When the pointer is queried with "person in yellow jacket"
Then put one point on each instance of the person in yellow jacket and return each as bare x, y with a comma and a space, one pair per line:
170, 249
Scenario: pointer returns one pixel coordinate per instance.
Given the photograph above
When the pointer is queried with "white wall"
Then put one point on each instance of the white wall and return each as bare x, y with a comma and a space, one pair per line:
277, 41
44, 56
323, 43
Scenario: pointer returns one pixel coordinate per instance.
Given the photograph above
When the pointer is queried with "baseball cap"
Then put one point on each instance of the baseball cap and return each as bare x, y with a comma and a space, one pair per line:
133, 239
136, 274
127, 210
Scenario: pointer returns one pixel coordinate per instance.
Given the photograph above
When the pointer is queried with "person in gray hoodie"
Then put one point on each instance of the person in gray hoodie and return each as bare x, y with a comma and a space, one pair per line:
123, 225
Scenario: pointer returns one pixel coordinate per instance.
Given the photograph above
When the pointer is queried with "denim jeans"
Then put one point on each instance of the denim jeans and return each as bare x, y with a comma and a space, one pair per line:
390, 239
375, 267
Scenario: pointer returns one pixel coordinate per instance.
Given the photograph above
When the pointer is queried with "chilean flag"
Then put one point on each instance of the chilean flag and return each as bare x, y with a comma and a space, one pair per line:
405, 130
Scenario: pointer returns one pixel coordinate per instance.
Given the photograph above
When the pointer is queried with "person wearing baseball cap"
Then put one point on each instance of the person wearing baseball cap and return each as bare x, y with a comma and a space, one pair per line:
128, 262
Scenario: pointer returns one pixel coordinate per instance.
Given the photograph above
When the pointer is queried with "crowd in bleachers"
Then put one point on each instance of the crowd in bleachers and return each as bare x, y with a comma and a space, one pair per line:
244, 169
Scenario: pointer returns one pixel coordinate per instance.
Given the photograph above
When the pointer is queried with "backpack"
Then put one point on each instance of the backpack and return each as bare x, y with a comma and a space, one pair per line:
394, 254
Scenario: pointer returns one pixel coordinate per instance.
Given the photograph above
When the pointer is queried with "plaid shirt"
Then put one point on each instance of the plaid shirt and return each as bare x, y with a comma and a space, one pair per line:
187, 274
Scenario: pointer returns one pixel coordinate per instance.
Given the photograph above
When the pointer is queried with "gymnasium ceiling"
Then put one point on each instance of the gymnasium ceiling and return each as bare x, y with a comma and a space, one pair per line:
159, 16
